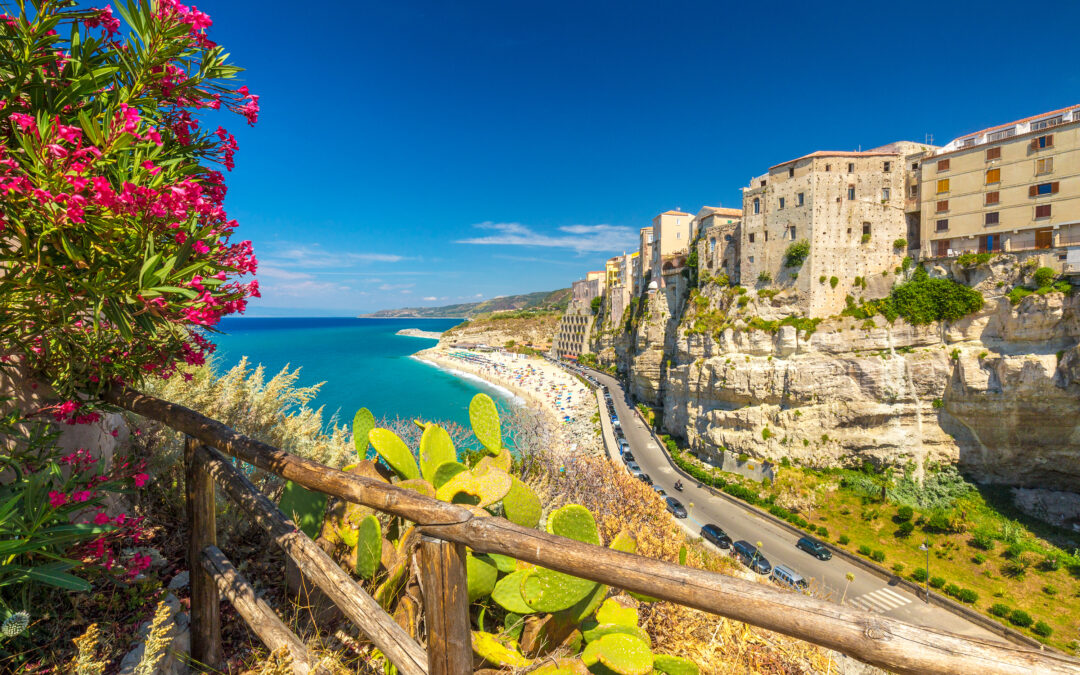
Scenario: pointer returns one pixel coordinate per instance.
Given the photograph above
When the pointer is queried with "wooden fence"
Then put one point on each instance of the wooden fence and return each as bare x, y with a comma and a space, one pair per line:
446, 529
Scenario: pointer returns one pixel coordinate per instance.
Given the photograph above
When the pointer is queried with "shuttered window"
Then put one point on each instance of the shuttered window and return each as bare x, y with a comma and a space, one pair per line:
993, 176
1042, 211
993, 153
943, 205
943, 165
943, 185
1044, 165
993, 197
992, 218
942, 224
1043, 189
1046, 141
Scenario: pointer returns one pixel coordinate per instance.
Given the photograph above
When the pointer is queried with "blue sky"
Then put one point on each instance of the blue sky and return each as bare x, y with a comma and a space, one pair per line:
416, 153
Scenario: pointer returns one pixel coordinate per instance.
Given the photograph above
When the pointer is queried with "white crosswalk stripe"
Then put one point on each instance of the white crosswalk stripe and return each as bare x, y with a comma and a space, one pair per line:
881, 600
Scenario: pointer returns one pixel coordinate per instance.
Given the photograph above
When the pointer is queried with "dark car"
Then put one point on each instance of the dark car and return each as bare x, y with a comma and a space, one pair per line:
659, 490
748, 555
628, 457
675, 507
814, 548
715, 535
644, 478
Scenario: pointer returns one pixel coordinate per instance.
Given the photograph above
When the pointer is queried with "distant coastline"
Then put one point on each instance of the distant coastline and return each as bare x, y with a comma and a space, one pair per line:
417, 333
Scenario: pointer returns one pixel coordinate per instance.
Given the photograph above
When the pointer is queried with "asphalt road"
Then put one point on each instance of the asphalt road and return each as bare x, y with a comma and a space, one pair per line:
827, 578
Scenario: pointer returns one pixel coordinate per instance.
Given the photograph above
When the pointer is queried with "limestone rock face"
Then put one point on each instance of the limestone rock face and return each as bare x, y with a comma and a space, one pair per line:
997, 393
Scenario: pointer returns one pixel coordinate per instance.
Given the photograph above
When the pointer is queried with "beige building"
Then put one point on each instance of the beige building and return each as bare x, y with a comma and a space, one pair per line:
712, 215
718, 244
575, 329
671, 238
849, 206
644, 265
1012, 187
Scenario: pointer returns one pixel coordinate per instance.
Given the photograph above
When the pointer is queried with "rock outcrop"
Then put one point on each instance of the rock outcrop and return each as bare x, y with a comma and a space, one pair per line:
997, 392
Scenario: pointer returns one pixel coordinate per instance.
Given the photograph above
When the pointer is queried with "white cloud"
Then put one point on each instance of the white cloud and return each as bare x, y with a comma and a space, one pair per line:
395, 287
314, 256
430, 298
579, 238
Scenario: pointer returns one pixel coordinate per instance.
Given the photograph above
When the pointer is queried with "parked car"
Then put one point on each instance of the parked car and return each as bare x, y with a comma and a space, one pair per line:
632, 467
675, 507
748, 555
659, 490
615, 422
624, 446
628, 457
814, 548
716, 536
785, 576
644, 478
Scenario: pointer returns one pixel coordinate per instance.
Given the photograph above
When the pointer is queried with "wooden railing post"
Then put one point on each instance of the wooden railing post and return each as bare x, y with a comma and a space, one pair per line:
202, 532
446, 607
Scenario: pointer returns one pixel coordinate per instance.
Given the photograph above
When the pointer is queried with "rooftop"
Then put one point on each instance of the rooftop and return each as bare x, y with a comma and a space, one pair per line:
674, 213
1025, 120
837, 153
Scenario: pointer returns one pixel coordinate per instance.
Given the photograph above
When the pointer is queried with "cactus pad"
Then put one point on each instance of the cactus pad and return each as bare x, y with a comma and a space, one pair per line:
445, 472
595, 632
362, 424
521, 505
625, 542
418, 485
613, 612
436, 448
395, 453
368, 547
574, 522
501, 461
562, 667
481, 491
587, 605
481, 573
304, 507
505, 563
549, 591
499, 653
484, 417
674, 665
682, 555
508, 594
620, 653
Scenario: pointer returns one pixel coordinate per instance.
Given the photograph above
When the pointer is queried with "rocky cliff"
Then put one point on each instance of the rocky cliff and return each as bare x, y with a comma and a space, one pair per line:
535, 330
997, 392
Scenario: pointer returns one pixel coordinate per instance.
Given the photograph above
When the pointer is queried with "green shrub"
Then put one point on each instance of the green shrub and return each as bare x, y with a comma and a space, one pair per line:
796, 253
900, 243
833, 281
1001, 610
906, 528
919, 574
937, 582
905, 513
878, 556
1050, 590
822, 279
766, 434
1051, 563
952, 590
924, 300
982, 539
897, 568
764, 278
937, 404
1017, 294
595, 304
1019, 617
864, 550
968, 596
955, 355
865, 238
978, 558
1042, 629
844, 540
973, 259
823, 532
1043, 277
743, 300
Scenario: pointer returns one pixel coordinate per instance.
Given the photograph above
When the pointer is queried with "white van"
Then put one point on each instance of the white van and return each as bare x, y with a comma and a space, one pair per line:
785, 576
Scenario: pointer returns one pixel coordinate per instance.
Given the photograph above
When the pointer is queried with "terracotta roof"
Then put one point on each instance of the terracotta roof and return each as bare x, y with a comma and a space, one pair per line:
719, 211
836, 153
1026, 119
674, 213
646, 228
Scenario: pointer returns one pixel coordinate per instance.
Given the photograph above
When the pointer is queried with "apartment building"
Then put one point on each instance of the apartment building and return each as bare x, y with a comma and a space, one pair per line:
712, 215
849, 206
718, 246
575, 329
1012, 187
671, 239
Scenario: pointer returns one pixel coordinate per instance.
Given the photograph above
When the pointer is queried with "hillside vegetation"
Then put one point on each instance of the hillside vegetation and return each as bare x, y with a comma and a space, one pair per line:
521, 329
541, 300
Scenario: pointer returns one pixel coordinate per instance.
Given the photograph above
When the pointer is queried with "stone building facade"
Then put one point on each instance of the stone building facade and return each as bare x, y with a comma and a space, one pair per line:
851, 207
716, 232
575, 330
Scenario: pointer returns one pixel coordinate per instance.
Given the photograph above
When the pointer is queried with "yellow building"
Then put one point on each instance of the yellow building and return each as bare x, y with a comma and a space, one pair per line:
613, 270
671, 236
1012, 187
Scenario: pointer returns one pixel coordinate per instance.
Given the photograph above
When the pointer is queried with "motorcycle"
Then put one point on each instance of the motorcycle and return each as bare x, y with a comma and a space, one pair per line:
678, 485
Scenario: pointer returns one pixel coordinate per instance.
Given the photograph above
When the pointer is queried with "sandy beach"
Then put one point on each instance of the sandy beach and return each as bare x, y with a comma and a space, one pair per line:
569, 403
416, 332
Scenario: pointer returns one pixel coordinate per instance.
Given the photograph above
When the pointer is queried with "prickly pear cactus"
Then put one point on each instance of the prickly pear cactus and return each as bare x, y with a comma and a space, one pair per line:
562, 667
504, 653
613, 612
505, 563
682, 555
436, 448
394, 452
479, 490
445, 471
368, 547
674, 665
304, 507
480, 573
620, 653
484, 417
521, 505
418, 485
362, 424
507, 593
549, 591
594, 633
574, 522
625, 542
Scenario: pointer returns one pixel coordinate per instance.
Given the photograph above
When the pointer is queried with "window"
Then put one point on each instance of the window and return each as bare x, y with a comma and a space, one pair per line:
1047, 123
1044, 165
865, 229
943, 185
851, 192
1041, 142
914, 191
678, 235
781, 204
993, 176
1043, 189
1042, 211
751, 236
914, 166
793, 233
943, 165
992, 218
727, 237
885, 193
851, 167
828, 167
941, 247
942, 224
757, 205
999, 135
712, 246
942, 205
766, 235
791, 172
993, 153
799, 199
751, 258
763, 183
989, 242
887, 167
993, 197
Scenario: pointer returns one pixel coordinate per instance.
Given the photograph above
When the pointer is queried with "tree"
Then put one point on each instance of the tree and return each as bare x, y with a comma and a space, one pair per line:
595, 304
117, 256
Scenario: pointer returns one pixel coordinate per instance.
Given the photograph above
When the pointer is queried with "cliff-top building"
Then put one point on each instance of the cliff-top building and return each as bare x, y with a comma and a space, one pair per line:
717, 232
643, 275
849, 206
1012, 187
671, 238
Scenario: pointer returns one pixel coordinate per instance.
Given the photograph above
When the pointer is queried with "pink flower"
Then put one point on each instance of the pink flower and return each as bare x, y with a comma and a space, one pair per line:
25, 122
200, 247
81, 496
101, 518
140, 479
57, 499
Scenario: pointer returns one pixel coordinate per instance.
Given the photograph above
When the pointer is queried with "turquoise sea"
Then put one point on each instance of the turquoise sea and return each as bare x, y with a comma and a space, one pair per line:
362, 362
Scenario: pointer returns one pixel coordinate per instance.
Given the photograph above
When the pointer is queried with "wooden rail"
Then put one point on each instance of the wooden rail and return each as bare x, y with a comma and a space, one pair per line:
869, 637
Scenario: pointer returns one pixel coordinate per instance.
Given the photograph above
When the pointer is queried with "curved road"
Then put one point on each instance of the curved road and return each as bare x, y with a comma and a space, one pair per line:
867, 591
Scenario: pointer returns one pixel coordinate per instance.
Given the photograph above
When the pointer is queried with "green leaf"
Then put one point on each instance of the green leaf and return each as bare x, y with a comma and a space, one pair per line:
575, 522
444, 472
54, 574
150, 264
480, 574
674, 665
